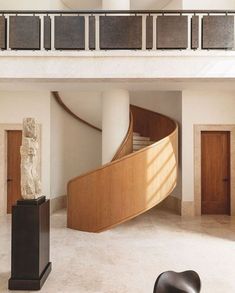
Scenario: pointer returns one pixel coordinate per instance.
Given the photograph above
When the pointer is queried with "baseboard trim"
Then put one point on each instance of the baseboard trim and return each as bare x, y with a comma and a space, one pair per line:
171, 203
58, 203
176, 205
188, 209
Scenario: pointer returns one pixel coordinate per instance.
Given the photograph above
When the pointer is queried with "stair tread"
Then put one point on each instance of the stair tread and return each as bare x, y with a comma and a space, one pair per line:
139, 147
141, 138
142, 142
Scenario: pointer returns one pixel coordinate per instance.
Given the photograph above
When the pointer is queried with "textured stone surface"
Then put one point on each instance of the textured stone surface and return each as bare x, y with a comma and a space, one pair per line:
3, 35
218, 32
149, 32
70, 32
30, 160
195, 32
47, 32
129, 258
25, 32
120, 32
92, 34
172, 32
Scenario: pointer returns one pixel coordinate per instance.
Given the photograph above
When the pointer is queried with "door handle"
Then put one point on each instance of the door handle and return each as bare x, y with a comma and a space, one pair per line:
9, 180
225, 179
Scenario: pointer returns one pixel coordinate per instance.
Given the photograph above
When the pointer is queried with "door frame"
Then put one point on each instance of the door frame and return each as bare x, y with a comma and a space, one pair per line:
198, 129
3, 158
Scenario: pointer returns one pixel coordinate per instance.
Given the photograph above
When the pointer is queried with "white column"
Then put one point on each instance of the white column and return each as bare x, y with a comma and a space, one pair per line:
116, 4
115, 121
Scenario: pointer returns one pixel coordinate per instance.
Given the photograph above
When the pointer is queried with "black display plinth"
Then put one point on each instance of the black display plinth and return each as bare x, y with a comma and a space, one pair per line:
30, 259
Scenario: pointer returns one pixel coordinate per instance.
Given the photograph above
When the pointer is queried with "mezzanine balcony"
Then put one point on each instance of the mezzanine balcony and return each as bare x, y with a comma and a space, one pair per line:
116, 30
117, 44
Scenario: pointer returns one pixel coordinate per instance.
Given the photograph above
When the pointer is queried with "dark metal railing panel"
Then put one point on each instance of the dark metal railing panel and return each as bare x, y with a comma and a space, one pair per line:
24, 32
149, 32
218, 32
195, 32
69, 32
47, 32
120, 32
172, 32
110, 30
92, 35
3, 32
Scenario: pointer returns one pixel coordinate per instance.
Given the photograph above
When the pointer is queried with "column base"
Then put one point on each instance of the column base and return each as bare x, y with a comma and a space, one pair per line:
30, 253
30, 284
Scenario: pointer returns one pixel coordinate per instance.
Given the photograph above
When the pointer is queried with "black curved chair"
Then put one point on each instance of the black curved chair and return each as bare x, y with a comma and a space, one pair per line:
172, 282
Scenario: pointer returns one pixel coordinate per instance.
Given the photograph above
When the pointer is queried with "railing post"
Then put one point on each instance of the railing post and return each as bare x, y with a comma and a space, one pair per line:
97, 32
86, 32
144, 19
41, 32
8, 32
234, 33
200, 32
52, 32
154, 32
189, 32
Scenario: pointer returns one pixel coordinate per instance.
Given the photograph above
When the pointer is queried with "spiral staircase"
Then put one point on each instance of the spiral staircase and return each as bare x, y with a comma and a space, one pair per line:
142, 174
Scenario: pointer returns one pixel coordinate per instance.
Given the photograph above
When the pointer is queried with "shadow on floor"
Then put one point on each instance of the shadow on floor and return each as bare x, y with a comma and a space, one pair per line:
219, 226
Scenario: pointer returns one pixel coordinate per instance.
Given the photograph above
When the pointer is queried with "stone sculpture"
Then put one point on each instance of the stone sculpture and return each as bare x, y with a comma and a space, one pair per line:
30, 160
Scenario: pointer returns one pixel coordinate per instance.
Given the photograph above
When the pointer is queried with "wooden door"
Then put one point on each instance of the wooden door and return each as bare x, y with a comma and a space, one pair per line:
215, 172
14, 141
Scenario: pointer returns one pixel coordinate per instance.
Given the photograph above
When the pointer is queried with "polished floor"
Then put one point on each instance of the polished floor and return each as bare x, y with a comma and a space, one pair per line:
128, 258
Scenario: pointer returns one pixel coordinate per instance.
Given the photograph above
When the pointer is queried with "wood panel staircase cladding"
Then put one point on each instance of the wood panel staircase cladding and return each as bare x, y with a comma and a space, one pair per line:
131, 185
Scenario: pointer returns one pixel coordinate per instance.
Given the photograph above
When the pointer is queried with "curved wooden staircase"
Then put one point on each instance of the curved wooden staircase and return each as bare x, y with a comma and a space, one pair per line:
134, 182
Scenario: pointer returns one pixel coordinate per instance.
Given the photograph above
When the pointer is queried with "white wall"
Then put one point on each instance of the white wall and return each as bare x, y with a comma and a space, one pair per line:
174, 5
209, 4
31, 4
116, 5
115, 121
134, 4
87, 105
201, 107
169, 104
69, 148
82, 4
14, 106
149, 4
75, 149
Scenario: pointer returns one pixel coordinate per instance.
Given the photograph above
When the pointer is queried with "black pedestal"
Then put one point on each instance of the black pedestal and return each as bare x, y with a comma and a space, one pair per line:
30, 265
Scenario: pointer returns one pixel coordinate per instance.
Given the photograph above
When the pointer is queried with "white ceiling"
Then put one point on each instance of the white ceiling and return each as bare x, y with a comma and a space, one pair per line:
97, 4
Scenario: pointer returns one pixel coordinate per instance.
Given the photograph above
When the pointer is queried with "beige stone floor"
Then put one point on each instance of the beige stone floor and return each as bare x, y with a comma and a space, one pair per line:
128, 258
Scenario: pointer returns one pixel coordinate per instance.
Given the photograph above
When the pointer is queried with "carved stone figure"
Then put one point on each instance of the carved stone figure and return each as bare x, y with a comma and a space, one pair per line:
30, 160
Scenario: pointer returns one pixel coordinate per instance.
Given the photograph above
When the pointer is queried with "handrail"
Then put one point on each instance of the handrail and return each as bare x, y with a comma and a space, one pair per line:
126, 146
93, 12
62, 104
124, 188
